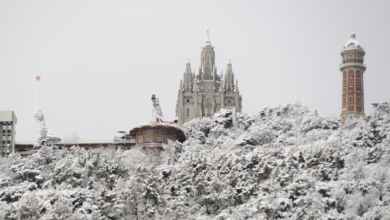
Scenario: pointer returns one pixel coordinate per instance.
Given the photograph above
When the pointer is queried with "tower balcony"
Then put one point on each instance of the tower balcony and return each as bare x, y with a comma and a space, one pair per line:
352, 64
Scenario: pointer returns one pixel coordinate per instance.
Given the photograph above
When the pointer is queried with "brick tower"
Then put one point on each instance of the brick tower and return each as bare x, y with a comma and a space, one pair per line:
352, 68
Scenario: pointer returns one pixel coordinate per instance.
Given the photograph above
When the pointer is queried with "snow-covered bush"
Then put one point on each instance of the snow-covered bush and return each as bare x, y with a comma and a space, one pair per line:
285, 162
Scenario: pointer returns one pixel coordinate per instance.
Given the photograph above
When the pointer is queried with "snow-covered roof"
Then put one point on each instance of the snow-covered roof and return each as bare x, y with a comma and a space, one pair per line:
353, 43
158, 124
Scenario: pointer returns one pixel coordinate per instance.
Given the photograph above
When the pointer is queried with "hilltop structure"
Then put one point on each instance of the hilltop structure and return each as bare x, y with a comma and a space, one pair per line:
206, 93
151, 136
352, 68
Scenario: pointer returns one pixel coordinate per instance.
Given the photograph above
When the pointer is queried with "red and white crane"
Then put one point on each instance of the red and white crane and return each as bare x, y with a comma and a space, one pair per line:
157, 115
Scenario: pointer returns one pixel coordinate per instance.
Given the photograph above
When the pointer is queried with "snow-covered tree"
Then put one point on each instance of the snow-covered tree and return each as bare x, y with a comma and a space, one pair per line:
285, 162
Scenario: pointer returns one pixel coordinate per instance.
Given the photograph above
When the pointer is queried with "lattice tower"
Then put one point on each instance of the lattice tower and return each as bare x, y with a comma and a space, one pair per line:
38, 117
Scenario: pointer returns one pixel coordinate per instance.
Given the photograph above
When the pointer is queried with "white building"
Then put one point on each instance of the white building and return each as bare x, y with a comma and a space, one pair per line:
8, 121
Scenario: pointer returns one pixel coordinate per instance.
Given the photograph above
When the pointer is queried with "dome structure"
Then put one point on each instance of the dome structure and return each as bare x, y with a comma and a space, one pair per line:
353, 43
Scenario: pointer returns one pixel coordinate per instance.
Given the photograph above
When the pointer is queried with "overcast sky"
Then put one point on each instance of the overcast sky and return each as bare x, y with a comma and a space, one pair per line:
100, 61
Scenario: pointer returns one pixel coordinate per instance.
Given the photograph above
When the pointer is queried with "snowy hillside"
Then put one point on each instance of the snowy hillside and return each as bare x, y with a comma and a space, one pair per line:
282, 163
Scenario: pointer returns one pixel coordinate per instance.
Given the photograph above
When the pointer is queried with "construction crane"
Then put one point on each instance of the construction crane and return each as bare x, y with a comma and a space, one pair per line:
156, 105
157, 115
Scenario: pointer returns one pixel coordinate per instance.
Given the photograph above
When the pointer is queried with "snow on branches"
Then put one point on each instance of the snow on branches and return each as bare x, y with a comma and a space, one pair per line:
285, 162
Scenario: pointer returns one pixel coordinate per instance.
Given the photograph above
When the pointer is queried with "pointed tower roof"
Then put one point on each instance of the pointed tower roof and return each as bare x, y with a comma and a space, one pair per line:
229, 68
188, 67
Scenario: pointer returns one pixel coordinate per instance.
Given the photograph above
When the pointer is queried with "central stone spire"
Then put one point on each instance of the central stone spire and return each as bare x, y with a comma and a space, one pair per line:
207, 67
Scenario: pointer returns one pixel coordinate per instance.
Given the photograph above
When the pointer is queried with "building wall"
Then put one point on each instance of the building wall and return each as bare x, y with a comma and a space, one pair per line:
142, 133
352, 84
8, 121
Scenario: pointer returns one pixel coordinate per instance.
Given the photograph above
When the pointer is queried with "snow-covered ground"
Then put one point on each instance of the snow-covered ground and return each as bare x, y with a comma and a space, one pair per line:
282, 163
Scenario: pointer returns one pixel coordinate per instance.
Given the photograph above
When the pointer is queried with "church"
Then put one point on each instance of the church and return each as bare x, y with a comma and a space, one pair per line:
207, 92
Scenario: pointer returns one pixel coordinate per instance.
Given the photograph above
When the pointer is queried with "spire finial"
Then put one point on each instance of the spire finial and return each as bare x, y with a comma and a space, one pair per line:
230, 61
353, 35
207, 37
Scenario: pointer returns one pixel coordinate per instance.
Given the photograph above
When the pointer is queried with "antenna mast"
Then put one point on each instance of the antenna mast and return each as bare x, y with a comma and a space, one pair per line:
38, 118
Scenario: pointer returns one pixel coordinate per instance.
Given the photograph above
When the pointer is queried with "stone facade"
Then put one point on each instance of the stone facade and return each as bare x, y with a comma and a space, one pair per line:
207, 92
352, 69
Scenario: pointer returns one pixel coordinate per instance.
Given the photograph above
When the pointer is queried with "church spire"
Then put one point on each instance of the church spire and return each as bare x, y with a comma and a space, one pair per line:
229, 78
207, 67
188, 67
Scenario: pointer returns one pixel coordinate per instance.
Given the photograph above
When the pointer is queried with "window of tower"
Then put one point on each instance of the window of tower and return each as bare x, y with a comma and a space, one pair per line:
350, 82
159, 139
188, 112
148, 139
344, 83
343, 102
350, 101
188, 100
358, 82
358, 100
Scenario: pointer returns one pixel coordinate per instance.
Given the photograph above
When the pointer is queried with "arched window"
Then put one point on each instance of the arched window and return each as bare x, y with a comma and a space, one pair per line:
343, 102
158, 139
148, 139
358, 82
188, 100
167, 139
358, 100
350, 101
350, 82
344, 82
208, 107
140, 140
188, 112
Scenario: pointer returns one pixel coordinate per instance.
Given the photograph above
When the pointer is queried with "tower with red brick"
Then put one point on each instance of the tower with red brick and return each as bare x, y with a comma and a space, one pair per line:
352, 68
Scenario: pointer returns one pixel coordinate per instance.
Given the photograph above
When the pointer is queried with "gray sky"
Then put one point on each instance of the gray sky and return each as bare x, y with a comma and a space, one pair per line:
100, 61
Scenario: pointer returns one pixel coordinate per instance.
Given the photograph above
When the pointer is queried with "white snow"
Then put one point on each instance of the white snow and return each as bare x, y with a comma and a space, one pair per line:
282, 163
